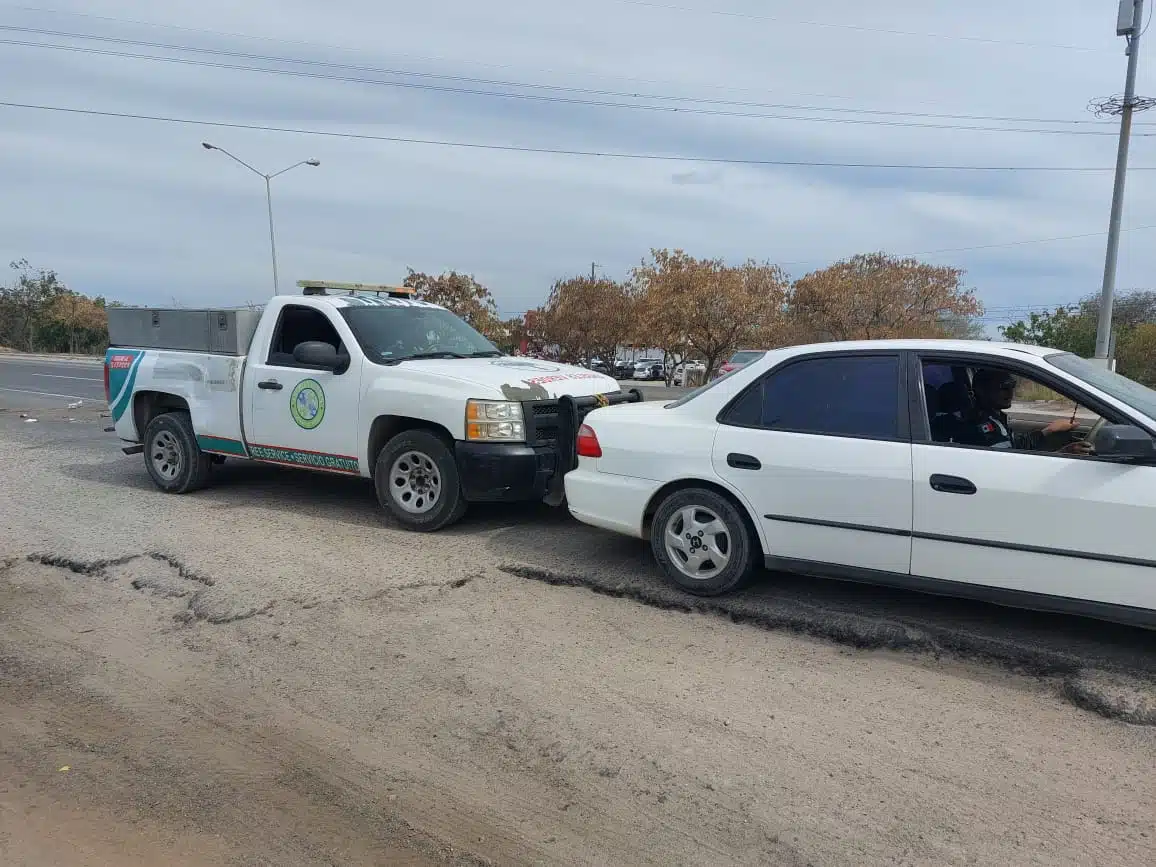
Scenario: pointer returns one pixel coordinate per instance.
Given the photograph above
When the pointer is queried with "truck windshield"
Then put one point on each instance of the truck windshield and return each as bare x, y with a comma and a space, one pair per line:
388, 335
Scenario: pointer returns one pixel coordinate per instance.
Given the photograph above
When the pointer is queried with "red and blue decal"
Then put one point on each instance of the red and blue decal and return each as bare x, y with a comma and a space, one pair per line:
121, 366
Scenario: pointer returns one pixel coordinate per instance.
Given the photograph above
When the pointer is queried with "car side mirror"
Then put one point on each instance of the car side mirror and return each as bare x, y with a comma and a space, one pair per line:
317, 354
1124, 441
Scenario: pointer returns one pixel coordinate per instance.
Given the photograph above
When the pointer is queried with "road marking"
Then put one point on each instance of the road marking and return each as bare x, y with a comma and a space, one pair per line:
49, 394
62, 376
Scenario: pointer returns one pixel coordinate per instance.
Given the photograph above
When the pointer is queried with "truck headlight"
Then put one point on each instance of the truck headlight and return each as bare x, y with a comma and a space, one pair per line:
495, 421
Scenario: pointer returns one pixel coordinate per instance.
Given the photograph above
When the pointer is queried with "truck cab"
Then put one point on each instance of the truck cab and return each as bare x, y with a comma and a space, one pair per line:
351, 379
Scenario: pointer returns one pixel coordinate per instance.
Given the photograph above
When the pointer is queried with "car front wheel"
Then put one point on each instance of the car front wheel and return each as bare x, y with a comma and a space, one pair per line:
702, 542
417, 481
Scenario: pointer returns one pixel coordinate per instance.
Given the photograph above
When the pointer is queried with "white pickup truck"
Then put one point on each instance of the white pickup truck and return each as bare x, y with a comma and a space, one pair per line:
352, 379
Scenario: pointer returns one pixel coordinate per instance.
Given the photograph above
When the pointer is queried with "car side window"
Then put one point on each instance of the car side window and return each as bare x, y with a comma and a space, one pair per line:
850, 396
996, 407
299, 325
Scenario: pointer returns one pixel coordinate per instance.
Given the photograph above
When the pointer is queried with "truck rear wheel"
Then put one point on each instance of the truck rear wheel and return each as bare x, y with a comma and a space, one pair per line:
417, 481
173, 458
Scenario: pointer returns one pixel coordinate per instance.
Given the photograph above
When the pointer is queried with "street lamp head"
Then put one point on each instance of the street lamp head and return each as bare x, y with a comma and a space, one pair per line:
314, 163
208, 146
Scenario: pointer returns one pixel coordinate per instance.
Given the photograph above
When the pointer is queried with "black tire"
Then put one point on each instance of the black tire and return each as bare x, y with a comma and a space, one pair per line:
740, 547
172, 457
404, 476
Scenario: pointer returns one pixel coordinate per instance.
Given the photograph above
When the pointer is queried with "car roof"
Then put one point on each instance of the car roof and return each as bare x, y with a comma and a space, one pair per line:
989, 347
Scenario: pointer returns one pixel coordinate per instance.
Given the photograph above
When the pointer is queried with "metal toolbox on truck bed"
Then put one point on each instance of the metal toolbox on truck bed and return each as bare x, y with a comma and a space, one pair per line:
220, 332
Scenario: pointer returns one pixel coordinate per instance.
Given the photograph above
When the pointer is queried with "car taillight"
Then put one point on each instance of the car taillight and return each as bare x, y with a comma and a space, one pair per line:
107, 395
588, 446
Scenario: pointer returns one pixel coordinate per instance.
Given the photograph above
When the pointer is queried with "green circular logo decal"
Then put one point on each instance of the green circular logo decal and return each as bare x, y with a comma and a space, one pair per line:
307, 404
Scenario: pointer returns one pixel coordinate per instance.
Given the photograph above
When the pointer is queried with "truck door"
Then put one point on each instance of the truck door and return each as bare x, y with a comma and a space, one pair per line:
302, 416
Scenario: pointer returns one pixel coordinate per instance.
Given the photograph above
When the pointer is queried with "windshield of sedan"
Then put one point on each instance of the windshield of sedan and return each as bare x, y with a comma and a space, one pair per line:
746, 356
689, 396
389, 335
1127, 391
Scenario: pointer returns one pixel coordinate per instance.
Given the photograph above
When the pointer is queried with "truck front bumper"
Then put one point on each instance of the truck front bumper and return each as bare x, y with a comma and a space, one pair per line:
505, 472
508, 472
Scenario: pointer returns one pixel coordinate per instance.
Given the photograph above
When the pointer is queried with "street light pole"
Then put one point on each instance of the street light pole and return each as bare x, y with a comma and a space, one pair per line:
1131, 28
268, 197
272, 237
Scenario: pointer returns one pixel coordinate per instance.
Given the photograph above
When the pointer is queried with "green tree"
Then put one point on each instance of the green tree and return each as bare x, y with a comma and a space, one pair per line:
1066, 328
24, 305
1073, 328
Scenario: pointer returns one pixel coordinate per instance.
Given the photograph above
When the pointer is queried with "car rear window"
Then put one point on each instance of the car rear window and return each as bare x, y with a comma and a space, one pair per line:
854, 396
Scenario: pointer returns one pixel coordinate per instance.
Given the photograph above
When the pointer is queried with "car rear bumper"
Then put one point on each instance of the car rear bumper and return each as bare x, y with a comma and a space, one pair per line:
609, 501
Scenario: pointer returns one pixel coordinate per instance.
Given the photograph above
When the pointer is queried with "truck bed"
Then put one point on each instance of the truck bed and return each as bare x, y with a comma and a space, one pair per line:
216, 332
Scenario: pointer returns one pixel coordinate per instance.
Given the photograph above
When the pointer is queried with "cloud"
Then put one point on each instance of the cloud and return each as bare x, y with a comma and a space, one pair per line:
136, 210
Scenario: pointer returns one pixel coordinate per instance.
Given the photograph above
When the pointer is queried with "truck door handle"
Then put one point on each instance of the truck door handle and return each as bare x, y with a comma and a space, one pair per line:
743, 462
951, 485
270, 385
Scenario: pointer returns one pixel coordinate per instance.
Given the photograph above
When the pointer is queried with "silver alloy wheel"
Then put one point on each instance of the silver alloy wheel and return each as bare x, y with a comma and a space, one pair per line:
165, 453
415, 482
697, 542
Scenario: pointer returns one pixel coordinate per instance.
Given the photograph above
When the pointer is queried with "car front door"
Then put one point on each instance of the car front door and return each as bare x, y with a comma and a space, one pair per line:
820, 448
302, 416
1038, 522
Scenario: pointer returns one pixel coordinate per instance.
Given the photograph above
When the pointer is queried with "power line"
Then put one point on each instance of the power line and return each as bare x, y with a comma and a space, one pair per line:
1022, 243
584, 73
217, 52
549, 99
345, 48
856, 27
558, 151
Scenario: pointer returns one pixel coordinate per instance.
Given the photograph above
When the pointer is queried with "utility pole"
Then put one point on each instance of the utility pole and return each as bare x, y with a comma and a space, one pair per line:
1129, 24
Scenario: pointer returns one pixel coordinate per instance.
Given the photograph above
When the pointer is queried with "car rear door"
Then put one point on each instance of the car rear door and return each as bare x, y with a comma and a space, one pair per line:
820, 448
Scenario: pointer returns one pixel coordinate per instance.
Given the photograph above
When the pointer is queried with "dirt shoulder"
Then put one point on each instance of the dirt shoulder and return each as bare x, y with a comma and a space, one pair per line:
288, 682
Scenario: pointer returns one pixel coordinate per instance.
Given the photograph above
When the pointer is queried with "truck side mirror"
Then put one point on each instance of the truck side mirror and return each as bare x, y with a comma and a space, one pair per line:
317, 354
1124, 441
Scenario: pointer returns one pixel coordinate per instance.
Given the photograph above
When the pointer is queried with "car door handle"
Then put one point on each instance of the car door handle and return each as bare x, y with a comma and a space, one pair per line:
952, 485
743, 462
270, 385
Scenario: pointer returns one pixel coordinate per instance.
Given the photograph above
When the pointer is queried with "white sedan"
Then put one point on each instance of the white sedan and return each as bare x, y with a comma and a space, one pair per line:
895, 462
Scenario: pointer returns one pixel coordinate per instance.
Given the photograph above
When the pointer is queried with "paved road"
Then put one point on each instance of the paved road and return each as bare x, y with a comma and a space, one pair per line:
286, 680
37, 383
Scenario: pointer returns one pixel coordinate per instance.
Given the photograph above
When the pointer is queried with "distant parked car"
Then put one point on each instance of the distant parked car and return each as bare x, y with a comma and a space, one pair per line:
695, 369
649, 368
624, 369
740, 359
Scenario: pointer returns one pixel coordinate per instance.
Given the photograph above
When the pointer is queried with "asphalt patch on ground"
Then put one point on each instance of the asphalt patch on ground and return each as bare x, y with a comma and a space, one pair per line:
161, 575
1104, 668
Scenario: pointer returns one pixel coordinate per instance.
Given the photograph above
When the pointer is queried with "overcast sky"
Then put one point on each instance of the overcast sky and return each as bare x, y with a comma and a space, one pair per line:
136, 210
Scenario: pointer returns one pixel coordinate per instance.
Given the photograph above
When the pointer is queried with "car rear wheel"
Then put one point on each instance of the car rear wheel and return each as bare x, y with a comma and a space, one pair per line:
702, 542
173, 459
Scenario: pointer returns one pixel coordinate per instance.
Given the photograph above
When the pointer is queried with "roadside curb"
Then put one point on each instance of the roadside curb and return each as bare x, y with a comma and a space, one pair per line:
61, 359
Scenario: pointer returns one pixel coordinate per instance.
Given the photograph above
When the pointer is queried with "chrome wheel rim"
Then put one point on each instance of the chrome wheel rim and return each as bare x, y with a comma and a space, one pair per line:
697, 542
415, 483
165, 453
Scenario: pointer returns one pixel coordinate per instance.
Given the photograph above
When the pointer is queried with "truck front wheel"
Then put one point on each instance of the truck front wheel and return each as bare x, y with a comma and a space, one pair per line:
417, 481
173, 458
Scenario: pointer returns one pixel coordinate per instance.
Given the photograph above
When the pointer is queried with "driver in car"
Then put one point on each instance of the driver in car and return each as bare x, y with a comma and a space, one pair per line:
987, 425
